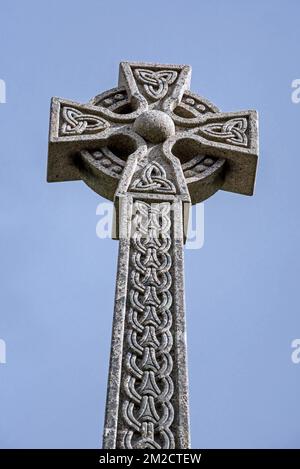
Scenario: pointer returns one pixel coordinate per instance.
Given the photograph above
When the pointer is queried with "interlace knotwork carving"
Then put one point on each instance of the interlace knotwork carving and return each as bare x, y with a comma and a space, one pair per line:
76, 122
153, 179
148, 385
232, 131
156, 84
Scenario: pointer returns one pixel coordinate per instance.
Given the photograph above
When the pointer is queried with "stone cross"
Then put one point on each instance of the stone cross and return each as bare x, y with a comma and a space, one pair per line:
154, 148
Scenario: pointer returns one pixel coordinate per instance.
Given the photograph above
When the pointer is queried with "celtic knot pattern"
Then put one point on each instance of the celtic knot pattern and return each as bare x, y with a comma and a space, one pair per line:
147, 409
232, 131
153, 179
77, 123
156, 84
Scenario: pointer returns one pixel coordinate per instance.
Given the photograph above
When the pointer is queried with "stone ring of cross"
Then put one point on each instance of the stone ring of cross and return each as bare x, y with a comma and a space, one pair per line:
155, 148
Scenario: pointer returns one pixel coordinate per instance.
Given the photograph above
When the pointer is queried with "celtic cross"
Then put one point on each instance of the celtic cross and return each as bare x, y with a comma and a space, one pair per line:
154, 148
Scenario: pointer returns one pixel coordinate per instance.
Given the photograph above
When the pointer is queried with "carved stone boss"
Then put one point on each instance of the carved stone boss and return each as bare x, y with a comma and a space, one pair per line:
153, 147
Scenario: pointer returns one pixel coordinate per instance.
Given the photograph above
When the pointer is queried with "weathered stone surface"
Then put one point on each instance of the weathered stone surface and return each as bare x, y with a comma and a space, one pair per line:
154, 148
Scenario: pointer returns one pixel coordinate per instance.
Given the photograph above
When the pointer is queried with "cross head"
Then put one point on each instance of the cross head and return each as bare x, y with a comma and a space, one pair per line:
154, 148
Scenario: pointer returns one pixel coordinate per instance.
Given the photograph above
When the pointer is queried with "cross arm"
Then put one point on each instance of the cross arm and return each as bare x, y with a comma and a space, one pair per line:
75, 126
155, 84
229, 138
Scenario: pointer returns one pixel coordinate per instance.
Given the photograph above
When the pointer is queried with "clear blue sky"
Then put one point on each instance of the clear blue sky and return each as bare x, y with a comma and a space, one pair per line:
57, 277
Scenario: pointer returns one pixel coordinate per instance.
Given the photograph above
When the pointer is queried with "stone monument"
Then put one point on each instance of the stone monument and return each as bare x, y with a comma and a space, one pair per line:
154, 148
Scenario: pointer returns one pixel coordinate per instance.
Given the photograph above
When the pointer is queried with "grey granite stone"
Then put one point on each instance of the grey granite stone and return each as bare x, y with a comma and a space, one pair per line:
153, 147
